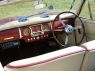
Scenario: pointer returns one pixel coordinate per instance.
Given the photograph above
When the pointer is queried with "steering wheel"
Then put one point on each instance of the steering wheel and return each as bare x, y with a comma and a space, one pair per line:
69, 28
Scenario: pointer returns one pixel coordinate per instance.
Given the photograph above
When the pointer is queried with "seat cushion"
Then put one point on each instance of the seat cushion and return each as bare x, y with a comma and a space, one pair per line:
53, 61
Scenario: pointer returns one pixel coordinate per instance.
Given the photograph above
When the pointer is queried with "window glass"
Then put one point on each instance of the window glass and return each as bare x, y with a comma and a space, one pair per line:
33, 7
92, 3
85, 11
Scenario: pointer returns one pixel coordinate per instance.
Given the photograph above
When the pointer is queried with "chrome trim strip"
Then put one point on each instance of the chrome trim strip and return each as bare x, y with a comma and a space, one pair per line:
8, 38
20, 34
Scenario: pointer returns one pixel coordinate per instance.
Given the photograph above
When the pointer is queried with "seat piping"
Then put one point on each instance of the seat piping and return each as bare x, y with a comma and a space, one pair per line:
84, 58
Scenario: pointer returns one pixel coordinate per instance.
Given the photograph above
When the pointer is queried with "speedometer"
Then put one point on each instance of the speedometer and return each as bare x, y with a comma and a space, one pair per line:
46, 27
27, 31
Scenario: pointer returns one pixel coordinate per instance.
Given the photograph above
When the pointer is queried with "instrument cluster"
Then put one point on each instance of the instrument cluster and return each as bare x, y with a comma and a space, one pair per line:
35, 32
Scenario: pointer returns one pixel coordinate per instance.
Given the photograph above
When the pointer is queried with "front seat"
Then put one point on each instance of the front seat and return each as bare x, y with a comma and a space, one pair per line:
89, 64
68, 59
1, 67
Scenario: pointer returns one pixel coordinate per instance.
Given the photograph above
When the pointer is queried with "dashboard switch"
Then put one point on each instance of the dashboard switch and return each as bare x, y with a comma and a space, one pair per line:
38, 38
41, 36
34, 38
31, 38
28, 39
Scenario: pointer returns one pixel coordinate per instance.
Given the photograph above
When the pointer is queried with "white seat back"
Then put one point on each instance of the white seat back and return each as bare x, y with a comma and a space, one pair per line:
68, 59
90, 58
1, 67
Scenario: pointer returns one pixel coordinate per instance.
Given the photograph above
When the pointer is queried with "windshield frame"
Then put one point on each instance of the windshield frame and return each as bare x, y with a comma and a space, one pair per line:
80, 7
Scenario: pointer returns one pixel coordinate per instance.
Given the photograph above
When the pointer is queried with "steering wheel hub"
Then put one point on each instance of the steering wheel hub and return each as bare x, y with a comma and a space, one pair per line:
68, 29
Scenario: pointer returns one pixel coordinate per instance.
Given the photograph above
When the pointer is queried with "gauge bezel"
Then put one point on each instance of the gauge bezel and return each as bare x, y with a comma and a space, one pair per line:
37, 33
27, 32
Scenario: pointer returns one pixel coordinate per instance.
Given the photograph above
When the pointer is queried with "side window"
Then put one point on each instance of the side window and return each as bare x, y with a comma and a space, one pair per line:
92, 4
89, 10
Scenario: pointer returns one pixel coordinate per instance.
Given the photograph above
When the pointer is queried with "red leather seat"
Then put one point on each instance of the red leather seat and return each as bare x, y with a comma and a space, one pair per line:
68, 59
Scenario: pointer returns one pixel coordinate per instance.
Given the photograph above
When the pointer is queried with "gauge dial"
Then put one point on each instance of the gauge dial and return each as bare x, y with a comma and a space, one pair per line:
45, 27
27, 31
36, 30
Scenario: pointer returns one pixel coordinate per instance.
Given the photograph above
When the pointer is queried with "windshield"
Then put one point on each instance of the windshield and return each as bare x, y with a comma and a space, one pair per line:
32, 7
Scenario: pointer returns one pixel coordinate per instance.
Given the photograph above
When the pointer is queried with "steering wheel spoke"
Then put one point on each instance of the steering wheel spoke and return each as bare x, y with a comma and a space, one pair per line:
59, 30
62, 22
66, 40
77, 27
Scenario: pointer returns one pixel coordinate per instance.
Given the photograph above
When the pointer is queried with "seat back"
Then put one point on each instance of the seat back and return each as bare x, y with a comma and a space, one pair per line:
89, 64
68, 59
1, 67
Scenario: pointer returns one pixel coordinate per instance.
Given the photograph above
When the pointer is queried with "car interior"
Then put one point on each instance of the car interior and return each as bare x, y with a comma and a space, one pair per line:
48, 41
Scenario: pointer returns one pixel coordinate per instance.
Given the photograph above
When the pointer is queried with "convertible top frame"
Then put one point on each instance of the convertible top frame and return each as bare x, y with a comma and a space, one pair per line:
80, 7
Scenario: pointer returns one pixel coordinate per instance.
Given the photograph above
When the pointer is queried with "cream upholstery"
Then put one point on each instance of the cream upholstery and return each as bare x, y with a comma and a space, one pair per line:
68, 59
1, 67
90, 58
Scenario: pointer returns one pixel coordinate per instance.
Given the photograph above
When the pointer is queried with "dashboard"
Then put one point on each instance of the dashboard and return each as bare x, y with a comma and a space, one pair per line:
36, 28
28, 33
